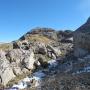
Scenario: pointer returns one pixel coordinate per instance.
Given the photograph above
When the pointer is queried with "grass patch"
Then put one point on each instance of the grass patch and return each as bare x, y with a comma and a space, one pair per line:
6, 46
39, 38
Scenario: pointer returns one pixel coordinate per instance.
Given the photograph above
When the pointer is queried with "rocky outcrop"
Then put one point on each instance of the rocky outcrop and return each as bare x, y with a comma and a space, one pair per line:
21, 58
29, 60
32, 51
41, 61
6, 72
15, 62
40, 48
17, 70
48, 32
15, 45
82, 40
53, 50
65, 36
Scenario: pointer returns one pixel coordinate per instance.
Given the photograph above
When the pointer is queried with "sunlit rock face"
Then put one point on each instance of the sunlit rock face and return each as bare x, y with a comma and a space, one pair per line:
6, 72
29, 60
82, 40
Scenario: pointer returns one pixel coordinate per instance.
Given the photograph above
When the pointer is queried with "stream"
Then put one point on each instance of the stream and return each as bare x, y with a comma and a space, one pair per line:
39, 75
36, 76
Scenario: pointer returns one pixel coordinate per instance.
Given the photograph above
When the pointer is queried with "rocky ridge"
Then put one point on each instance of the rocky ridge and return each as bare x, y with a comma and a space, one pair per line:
31, 51
63, 64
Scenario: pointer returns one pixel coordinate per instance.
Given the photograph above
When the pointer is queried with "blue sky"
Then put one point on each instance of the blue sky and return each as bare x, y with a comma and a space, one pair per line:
19, 16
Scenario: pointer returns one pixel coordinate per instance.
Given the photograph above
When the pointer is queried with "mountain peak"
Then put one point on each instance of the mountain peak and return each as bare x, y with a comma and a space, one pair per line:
85, 27
88, 21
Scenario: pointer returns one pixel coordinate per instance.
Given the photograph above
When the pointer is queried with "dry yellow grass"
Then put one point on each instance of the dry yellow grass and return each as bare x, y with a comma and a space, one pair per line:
6, 46
39, 38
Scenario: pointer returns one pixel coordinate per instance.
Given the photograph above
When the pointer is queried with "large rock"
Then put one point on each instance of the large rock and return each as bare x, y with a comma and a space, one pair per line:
29, 60
40, 48
51, 55
65, 36
15, 55
16, 45
54, 50
41, 61
21, 58
6, 72
6, 75
82, 40
16, 68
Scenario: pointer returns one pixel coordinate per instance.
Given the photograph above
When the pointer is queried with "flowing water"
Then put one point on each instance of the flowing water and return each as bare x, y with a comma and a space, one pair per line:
37, 77
41, 74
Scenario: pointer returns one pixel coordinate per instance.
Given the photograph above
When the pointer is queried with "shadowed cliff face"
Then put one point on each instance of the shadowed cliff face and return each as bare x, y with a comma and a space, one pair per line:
82, 39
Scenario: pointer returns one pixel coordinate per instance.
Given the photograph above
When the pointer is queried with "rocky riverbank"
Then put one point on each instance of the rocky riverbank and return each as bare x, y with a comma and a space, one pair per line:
69, 70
